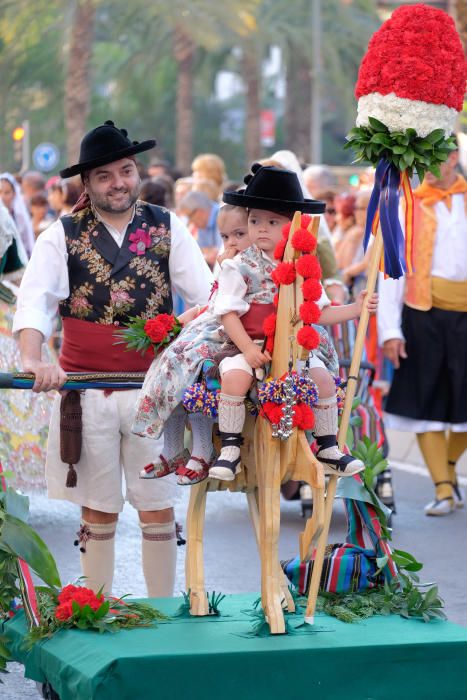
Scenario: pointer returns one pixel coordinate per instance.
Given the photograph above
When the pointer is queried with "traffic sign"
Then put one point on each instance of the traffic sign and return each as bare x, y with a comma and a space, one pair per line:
46, 156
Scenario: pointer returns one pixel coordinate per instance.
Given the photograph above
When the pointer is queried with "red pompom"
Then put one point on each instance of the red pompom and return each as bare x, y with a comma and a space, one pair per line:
269, 324
275, 300
309, 312
280, 248
312, 289
308, 266
304, 418
308, 338
272, 411
286, 229
305, 220
303, 241
284, 274
269, 346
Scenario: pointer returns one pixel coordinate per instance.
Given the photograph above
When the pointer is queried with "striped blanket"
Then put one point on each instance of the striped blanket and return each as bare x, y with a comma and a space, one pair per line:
352, 566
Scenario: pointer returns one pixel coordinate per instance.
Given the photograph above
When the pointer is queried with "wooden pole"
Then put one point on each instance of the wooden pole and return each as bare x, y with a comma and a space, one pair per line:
349, 397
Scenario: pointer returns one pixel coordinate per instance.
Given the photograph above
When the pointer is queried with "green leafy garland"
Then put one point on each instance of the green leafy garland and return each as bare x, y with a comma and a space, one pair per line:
404, 149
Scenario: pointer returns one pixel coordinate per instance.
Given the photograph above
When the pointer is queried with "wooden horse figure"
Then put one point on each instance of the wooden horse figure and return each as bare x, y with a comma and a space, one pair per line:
266, 463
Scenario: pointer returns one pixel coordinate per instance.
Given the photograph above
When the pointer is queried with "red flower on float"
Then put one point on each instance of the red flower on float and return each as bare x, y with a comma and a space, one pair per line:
312, 289
286, 230
284, 274
308, 266
309, 312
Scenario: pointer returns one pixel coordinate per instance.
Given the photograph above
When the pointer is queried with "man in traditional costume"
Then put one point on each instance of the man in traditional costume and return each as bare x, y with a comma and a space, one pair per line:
113, 258
422, 323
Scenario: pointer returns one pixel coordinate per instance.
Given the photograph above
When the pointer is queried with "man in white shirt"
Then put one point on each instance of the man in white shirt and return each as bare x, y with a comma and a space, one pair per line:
113, 258
422, 326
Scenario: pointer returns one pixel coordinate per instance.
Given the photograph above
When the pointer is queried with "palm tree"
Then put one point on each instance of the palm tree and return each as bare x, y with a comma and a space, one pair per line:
78, 80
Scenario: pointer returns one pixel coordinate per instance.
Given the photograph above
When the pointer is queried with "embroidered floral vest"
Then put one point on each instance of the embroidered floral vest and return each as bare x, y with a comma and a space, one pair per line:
256, 271
107, 283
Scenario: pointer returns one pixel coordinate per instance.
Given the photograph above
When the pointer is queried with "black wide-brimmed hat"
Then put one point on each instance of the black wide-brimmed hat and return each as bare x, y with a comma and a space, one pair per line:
105, 144
273, 189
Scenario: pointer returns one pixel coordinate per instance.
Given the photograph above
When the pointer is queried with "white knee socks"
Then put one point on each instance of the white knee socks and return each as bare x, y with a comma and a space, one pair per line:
159, 555
97, 554
231, 420
174, 433
201, 430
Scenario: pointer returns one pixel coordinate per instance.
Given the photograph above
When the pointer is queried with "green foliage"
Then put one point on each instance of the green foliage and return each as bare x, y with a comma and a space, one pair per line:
112, 615
404, 149
19, 540
214, 600
400, 597
372, 458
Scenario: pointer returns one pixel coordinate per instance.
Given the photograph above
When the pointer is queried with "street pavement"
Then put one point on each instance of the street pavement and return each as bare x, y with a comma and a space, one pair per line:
231, 558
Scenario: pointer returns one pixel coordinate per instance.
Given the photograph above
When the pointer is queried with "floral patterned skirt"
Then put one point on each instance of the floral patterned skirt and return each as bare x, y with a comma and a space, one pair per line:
172, 371
24, 418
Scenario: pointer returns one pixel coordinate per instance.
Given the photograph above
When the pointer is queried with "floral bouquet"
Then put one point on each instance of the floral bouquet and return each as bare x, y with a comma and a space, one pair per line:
410, 89
140, 334
80, 607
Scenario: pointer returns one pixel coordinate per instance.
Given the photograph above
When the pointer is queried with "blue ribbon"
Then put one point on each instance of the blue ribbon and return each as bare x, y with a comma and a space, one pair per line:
385, 198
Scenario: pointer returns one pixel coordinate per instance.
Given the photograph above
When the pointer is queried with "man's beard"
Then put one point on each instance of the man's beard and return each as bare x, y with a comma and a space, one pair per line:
105, 203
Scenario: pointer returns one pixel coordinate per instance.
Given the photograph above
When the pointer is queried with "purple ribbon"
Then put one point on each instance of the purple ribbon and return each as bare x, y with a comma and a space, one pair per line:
385, 198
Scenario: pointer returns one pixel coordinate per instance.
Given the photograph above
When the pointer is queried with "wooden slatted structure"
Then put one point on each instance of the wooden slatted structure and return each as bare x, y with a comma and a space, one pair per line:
268, 462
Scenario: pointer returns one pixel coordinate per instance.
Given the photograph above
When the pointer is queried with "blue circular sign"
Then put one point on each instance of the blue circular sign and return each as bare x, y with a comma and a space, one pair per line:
46, 156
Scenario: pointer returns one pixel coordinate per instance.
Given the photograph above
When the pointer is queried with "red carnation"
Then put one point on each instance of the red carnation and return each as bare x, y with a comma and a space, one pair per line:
305, 220
167, 320
64, 611
304, 418
416, 54
308, 266
280, 249
286, 230
156, 330
269, 324
312, 289
309, 312
272, 411
284, 274
303, 241
308, 338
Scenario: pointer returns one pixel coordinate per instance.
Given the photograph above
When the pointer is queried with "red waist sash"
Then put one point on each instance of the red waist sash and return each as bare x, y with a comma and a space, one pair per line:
254, 318
90, 347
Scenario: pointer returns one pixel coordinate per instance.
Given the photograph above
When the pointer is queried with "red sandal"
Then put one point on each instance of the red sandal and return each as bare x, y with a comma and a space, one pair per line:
194, 476
165, 466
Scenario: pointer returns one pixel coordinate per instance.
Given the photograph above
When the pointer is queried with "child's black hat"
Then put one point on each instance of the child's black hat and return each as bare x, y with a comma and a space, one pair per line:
273, 189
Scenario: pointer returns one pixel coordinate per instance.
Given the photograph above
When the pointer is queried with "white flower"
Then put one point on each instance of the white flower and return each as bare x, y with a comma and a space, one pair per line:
400, 113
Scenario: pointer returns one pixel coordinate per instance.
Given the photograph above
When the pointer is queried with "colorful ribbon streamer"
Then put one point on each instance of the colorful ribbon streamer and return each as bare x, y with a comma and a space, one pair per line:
383, 209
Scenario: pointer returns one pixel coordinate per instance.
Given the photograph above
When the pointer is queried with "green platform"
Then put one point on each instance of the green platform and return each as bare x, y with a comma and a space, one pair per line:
214, 658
